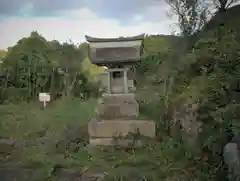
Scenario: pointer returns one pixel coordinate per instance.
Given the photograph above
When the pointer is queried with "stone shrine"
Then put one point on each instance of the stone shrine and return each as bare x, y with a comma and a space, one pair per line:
117, 110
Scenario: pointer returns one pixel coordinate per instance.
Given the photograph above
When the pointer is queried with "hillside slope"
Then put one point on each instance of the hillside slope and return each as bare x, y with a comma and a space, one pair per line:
230, 19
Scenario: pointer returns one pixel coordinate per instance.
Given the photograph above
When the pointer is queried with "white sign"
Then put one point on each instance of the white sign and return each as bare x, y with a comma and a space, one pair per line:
44, 97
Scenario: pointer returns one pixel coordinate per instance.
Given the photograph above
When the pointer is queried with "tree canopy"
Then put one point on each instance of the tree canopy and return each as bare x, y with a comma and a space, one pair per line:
35, 64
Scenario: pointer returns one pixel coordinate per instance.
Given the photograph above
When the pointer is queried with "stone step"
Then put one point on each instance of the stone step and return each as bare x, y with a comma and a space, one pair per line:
10, 172
112, 142
118, 98
124, 110
114, 128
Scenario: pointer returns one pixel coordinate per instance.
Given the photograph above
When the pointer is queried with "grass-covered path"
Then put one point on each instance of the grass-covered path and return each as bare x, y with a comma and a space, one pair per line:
41, 139
50, 144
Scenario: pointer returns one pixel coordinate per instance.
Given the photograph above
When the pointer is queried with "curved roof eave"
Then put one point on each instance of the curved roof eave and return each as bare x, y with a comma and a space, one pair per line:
133, 38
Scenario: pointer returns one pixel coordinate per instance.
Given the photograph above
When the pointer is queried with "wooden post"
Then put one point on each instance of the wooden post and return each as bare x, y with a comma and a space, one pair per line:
109, 82
125, 81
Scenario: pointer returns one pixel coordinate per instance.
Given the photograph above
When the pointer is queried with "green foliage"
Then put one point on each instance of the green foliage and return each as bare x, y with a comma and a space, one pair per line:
36, 65
156, 49
2, 54
49, 137
207, 75
229, 18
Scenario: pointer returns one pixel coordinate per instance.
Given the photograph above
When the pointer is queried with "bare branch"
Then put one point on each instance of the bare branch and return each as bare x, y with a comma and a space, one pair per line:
192, 14
223, 5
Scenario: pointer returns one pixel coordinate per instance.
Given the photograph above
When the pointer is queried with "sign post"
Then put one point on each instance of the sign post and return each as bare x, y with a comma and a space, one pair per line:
44, 97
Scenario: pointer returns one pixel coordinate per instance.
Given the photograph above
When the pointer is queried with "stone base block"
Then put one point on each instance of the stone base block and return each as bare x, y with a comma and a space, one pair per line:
115, 128
116, 106
112, 142
118, 98
118, 111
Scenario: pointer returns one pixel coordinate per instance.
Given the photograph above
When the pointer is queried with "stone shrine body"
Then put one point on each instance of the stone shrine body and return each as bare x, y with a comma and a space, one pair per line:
118, 110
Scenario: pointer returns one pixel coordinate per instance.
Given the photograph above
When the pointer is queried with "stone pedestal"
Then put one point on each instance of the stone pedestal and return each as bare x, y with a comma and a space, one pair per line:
115, 128
117, 117
113, 132
112, 141
118, 106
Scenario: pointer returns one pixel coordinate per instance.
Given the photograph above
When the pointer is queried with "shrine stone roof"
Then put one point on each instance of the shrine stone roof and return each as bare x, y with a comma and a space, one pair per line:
119, 39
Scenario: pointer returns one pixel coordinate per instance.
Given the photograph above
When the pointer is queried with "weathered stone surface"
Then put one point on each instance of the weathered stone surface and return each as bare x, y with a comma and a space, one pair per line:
8, 146
117, 85
232, 160
117, 111
112, 142
10, 172
187, 123
118, 98
118, 106
111, 128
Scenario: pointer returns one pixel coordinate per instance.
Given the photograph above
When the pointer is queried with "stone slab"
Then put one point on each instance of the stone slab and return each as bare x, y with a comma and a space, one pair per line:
112, 142
118, 98
118, 110
113, 128
118, 106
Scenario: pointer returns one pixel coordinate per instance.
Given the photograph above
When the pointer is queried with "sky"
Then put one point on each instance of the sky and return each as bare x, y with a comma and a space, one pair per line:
65, 20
